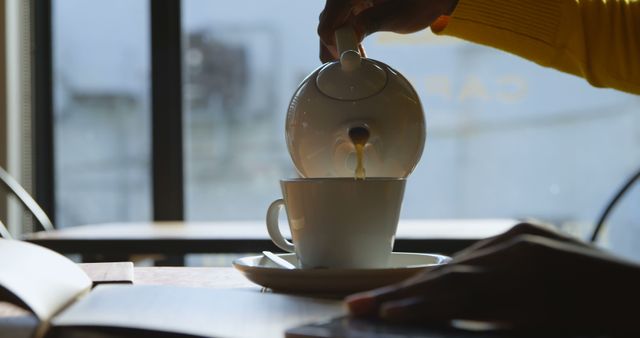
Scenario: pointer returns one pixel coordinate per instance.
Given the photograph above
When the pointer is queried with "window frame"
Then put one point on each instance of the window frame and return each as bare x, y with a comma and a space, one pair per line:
166, 109
43, 150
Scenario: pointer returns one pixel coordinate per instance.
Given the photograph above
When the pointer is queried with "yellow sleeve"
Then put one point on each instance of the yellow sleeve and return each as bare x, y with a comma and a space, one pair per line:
595, 39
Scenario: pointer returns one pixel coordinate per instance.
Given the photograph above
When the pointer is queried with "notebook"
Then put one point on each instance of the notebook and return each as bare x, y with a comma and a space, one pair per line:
59, 295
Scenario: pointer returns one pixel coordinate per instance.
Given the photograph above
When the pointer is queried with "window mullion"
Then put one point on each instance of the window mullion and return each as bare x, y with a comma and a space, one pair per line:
166, 110
43, 108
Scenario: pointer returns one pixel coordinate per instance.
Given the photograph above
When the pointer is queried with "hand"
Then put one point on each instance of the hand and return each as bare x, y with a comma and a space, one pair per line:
528, 277
369, 16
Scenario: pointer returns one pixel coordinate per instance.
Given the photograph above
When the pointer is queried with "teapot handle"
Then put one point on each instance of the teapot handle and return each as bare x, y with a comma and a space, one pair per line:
347, 45
346, 39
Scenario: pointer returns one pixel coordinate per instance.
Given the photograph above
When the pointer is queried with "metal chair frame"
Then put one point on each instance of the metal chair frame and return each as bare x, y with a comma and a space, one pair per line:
13, 186
4, 232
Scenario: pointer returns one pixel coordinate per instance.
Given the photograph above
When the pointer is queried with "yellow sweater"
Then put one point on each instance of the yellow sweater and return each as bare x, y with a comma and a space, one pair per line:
595, 39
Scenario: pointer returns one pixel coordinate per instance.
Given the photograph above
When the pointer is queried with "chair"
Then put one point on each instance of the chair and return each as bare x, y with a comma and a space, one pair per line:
4, 232
12, 185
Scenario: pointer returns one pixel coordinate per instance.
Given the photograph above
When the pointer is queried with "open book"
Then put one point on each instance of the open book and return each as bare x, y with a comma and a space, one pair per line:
58, 293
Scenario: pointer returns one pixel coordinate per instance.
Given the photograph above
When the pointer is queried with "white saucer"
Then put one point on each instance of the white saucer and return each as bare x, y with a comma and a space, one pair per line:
402, 265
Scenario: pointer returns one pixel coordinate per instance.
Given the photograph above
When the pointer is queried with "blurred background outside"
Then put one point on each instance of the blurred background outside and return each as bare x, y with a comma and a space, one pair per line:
506, 138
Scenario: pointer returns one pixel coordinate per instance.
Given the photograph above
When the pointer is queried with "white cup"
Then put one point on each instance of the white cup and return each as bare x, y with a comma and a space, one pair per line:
339, 222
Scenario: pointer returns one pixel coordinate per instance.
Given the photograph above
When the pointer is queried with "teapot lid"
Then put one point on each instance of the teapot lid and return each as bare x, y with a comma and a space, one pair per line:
351, 78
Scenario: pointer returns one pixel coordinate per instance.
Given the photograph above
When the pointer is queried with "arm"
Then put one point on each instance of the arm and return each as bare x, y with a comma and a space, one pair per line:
598, 40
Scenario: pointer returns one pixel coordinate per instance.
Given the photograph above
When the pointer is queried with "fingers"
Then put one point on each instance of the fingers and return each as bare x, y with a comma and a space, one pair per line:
477, 271
516, 230
458, 292
403, 17
510, 253
335, 14
327, 53
367, 17
519, 229
475, 304
420, 309
378, 18
431, 284
522, 281
451, 294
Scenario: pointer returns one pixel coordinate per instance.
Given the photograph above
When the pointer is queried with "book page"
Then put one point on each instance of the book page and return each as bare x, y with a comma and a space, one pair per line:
40, 279
198, 312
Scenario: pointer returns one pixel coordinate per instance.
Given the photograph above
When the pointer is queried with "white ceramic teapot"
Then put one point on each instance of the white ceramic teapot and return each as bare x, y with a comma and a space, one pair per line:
355, 92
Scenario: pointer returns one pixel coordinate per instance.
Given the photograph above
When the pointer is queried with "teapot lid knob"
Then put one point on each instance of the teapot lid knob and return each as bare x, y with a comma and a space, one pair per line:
350, 60
352, 77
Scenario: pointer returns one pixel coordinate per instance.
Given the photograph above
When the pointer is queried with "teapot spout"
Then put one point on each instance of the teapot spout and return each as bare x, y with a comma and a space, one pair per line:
359, 135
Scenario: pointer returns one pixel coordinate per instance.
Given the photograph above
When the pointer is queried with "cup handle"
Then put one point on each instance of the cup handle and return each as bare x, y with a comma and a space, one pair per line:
273, 226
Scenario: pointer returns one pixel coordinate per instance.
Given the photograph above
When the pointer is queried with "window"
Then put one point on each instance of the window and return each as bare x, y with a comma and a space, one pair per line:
101, 116
240, 69
505, 137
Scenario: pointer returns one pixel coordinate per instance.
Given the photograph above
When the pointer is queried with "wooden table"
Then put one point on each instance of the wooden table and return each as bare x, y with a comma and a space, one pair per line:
193, 277
179, 238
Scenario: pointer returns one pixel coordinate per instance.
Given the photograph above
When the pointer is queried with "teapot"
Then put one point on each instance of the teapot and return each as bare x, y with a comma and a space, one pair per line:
354, 93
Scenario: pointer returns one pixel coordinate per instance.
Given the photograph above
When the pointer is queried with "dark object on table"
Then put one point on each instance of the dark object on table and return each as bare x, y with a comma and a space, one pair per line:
348, 327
